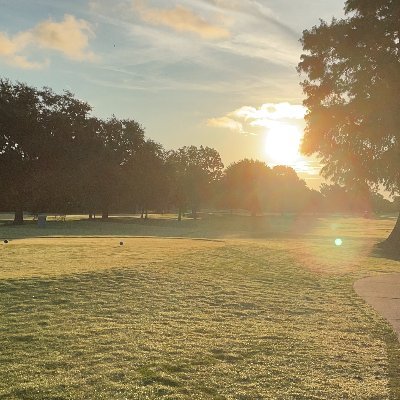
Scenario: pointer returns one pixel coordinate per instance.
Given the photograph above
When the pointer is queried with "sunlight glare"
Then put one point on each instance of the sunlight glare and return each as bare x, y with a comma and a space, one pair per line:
282, 144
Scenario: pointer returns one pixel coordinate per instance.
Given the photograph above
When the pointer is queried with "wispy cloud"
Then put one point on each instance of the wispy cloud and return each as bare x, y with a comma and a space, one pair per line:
255, 10
70, 37
180, 19
226, 122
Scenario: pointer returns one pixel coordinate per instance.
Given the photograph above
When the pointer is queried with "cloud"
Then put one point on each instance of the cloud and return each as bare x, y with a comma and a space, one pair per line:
268, 115
180, 19
69, 37
255, 10
271, 111
281, 127
11, 46
226, 122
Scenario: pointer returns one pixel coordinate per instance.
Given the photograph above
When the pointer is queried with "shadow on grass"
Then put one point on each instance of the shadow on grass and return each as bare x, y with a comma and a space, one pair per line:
316, 229
209, 226
386, 252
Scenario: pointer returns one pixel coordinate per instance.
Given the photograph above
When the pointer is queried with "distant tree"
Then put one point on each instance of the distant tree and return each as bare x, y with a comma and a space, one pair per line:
21, 138
335, 198
288, 193
353, 199
121, 140
193, 172
380, 204
352, 88
314, 201
89, 168
146, 177
246, 184
67, 141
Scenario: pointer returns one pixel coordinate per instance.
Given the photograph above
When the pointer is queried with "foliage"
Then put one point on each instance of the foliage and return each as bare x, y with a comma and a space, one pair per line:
253, 186
121, 141
352, 86
353, 80
20, 143
194, 173
146, 176
246, 185
289, 193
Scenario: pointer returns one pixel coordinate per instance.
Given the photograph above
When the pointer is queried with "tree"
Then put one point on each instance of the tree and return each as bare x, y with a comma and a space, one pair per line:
352, 86
20, 143
121, 139
44, 142
246, 185
380, 204
146, 178
288, 193
193, 173
67, 143
89, 168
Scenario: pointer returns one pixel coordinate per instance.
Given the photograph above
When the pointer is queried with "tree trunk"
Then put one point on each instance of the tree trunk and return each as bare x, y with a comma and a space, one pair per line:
19, 217
194, 213
142, 215
104, 215
90, 216
146, 214
180, 214
393, 241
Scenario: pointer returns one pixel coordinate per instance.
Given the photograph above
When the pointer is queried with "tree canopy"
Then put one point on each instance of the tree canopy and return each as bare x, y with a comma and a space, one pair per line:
194, 171
352, 69
246, 185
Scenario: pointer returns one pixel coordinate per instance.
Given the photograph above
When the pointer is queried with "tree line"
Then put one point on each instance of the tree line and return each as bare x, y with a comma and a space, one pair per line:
56, 157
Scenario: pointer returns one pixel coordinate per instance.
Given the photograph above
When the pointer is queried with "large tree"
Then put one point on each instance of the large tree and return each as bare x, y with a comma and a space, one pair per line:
146, 178
21, 138
288, 193
67, 140
121, 140
193, 172
352, 94
246, 184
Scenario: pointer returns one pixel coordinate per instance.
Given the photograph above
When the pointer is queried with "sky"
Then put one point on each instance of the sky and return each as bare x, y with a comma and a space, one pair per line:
217, 73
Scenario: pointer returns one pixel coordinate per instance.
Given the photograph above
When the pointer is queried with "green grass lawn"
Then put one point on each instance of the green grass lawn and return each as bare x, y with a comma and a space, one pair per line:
262, 309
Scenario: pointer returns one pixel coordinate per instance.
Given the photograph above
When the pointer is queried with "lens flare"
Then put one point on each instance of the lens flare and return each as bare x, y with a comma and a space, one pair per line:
338, 242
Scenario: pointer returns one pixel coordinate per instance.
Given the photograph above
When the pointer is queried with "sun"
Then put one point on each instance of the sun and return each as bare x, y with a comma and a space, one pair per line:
282, 144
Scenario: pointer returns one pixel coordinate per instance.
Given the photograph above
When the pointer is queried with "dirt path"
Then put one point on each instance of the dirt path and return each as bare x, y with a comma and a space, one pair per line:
383, 293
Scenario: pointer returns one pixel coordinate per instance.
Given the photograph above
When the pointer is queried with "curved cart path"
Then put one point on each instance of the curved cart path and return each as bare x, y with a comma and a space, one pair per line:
383, 293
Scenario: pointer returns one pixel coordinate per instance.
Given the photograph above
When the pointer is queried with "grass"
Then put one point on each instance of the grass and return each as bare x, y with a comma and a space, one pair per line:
263, 309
